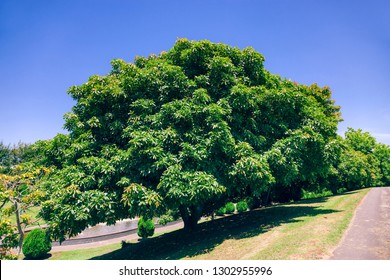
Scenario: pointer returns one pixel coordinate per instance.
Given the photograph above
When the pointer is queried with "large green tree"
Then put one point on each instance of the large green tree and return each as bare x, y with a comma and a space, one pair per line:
382, 154
364, 162
185, 130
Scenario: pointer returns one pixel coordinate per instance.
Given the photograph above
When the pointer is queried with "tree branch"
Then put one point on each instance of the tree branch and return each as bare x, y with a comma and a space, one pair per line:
4, 202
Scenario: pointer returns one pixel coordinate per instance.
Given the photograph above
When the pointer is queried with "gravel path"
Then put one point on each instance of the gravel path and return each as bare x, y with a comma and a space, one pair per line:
368, 237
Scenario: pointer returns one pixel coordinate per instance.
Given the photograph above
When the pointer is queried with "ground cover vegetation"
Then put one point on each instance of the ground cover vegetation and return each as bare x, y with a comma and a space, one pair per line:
185, 132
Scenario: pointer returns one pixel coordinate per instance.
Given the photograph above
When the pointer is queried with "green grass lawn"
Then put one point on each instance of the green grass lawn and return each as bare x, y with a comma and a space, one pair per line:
84, 254
308, 229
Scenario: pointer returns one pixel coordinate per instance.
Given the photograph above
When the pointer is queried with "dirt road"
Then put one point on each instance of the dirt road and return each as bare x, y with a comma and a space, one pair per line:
368, 237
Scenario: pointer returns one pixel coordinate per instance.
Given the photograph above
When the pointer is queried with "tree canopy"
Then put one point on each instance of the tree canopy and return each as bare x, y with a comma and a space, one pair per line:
184, 131
19, 191
364, 162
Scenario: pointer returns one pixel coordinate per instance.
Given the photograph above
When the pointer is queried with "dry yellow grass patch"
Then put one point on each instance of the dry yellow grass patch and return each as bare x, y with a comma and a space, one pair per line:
314, 229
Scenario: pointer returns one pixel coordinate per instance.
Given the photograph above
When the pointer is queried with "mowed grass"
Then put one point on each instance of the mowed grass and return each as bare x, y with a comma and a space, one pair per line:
308, 229
84, 254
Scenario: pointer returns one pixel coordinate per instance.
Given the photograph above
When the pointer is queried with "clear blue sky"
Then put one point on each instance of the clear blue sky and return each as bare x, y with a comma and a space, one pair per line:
48, 46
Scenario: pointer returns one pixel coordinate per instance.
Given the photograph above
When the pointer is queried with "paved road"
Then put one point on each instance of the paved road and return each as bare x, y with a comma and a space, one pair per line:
368, 237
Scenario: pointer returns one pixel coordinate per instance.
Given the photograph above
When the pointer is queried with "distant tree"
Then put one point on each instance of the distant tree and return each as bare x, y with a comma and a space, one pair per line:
354, 170
382, 154
185, 130
364, 162
11, 155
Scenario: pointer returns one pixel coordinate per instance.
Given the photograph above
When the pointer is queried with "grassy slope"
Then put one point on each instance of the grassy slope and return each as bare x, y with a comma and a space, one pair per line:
312, 234
308, 229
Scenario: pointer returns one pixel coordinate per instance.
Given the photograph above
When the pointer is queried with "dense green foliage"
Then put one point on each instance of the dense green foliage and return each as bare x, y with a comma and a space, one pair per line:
19, 193
186, 131
8, 238
220, 211
364, 162
229, 208
13, 155
145, 228
359, 161
242, 206
36, 244
316, 194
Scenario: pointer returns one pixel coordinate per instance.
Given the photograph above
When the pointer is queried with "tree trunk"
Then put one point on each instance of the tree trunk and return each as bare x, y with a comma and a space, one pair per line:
19, 226
190, 215
268, 194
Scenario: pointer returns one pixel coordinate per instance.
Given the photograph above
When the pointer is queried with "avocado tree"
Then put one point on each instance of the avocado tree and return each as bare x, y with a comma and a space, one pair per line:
364, 162
184, 131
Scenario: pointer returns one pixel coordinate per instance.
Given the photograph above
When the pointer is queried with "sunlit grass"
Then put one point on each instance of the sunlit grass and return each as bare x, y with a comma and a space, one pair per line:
308, 229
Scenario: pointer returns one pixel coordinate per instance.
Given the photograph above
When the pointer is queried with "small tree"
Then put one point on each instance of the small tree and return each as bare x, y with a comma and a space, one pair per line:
18, 193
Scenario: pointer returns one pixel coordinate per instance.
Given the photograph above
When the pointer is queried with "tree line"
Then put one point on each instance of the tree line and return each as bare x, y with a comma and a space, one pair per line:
183, 132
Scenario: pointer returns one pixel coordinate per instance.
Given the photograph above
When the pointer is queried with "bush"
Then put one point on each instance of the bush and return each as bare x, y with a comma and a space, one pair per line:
242, 206
221, 211
341, 190
145, 228
36, 244
165, 219
168, 217
229, 208
318, 194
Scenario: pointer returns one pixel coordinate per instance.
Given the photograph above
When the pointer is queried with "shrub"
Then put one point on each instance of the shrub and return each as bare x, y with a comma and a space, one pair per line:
322, 193
36, 244
168, 217
165, 219
341, 190
221, 211
242, 206
229, 208
145, 228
